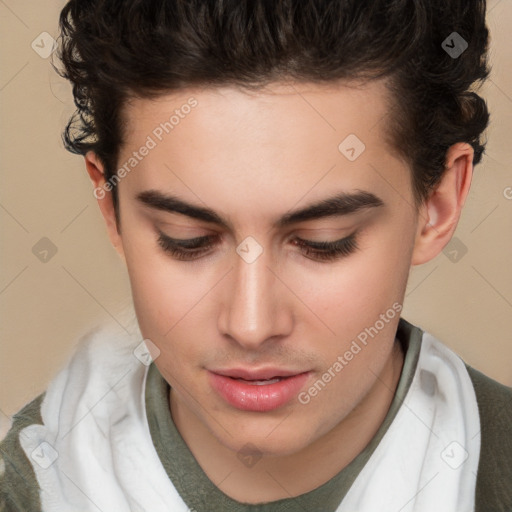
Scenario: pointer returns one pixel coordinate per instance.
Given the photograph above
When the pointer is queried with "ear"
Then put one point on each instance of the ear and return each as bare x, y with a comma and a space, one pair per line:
440, 214
103, 193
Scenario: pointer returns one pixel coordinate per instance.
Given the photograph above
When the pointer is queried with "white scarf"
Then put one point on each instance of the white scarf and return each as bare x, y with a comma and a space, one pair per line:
95, 420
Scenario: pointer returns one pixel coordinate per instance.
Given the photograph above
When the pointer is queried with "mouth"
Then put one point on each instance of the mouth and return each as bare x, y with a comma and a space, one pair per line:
257, 374
257, 390
263, 382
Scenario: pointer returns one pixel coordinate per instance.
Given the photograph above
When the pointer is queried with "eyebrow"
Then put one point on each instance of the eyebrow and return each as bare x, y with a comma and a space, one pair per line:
343, 203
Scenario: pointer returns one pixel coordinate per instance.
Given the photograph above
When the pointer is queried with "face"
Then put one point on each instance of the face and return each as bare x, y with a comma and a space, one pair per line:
260, 244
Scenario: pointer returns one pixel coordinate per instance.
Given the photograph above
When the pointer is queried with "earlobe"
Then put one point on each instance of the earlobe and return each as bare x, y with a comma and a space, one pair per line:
95, 169
440, 214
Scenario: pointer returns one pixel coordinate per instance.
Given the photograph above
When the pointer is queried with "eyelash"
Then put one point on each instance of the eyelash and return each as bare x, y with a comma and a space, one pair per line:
194, 248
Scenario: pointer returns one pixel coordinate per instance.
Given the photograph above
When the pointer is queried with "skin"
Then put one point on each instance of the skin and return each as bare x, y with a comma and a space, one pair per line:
252, 157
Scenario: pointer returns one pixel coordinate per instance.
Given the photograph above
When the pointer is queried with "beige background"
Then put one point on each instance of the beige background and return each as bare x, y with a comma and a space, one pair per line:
46, 193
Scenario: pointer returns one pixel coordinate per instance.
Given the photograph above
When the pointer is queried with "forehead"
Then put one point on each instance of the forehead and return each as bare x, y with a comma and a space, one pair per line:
276, 144
325, 107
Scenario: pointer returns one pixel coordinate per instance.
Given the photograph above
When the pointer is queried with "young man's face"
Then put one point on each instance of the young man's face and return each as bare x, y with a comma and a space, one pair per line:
255, 301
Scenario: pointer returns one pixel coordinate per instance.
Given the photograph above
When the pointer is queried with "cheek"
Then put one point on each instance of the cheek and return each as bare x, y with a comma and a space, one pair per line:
351, 294
169, 300
162, 291
359, 301
166, 303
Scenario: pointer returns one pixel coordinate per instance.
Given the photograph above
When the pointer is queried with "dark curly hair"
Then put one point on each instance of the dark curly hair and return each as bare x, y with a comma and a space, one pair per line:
112, 50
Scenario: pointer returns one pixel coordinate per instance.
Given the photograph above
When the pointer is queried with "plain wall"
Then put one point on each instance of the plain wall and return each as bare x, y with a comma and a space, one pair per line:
46, 193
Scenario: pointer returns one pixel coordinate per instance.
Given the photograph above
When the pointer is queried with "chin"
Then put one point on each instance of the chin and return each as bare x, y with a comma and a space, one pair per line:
271, 437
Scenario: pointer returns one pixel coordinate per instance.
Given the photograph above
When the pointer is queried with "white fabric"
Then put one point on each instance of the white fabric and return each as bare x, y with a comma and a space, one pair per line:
419, 464
94, 417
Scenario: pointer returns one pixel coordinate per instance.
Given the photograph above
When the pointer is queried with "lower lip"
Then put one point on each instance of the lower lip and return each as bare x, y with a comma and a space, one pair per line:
253, 397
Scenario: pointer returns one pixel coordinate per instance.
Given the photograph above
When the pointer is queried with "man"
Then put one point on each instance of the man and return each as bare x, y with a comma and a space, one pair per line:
269, 172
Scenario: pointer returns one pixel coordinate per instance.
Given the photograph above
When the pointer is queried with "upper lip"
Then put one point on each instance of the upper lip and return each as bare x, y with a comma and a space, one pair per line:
256, 374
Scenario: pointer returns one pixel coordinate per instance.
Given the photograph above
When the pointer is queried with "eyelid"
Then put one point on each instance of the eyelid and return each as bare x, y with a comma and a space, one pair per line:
186, 242
350, 231
324, 243
198, 240
322, 251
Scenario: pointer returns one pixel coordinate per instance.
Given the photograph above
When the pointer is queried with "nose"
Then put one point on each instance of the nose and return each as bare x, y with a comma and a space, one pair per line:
257, 309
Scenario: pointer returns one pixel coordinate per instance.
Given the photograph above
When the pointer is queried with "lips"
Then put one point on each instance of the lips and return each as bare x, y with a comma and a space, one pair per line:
262, 374
257, 390
263, 382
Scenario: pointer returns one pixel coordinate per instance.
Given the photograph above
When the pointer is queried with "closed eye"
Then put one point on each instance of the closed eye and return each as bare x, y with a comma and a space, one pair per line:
194, 248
